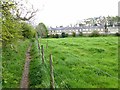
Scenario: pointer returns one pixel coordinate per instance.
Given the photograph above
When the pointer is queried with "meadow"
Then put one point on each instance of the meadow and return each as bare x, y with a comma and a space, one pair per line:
81, 62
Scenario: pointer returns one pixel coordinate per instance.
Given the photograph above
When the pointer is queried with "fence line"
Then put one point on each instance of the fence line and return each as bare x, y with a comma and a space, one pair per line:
55, 74
47, 79
38, 43
51, 74
52, 70
42, 52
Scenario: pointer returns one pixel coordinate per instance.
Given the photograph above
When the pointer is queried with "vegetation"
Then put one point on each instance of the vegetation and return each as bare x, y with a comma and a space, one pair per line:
38, 70
12, 28
35, 68
94, 34
63, 35
56, 36
15, 32
80, 34
27, 31
117, 34
42, 30
13, 63
86, 62
73, 34
78, 62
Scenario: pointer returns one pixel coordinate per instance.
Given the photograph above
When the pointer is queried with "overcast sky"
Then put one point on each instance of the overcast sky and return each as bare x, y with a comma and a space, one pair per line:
65, 12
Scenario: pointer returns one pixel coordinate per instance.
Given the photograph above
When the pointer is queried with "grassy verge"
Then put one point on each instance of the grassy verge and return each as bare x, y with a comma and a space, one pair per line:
38, 72
12, 64
0, 66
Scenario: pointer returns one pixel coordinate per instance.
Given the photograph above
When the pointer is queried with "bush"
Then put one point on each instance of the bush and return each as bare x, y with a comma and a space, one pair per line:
56, 36
117, 34
47, 36
32, 39
27, 31
51, 35
94, 34
63, 35
66, 35
80, 34
73, 34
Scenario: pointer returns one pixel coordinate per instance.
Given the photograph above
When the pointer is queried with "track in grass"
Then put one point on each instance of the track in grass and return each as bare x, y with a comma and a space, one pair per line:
25, 79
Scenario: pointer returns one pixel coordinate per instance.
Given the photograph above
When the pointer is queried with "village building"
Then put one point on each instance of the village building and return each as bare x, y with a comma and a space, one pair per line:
84, 29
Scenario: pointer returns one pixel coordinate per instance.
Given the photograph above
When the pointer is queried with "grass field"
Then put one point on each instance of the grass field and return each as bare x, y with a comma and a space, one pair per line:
84, 62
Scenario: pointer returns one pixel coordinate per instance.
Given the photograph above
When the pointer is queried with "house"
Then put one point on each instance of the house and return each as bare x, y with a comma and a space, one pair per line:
83, 29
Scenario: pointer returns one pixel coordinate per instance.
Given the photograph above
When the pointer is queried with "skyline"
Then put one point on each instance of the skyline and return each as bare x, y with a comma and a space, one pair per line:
66, 12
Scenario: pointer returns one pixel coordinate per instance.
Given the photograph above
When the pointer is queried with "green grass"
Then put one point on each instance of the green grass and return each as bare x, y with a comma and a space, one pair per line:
83, 62
13, 63
0, 65
38, 72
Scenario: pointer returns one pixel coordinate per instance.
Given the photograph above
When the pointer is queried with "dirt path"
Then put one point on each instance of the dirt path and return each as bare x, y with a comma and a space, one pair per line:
25, 80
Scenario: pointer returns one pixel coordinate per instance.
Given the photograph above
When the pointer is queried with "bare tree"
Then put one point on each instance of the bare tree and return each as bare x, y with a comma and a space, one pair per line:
27, 16
19, 10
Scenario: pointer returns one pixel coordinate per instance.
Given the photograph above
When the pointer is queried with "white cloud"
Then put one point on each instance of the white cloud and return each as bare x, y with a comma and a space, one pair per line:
64, 12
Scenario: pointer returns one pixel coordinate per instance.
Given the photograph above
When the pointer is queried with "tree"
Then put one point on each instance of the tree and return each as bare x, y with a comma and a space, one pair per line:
105, 26
10, 25
56, 36
27, 30
95, 33
73, 34
42, 30
63, 35
11, 20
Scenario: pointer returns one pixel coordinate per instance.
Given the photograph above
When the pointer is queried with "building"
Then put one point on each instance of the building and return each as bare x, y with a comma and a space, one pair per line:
84, 29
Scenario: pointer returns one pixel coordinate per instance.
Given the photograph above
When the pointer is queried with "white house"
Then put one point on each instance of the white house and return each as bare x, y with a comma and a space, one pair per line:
84, 29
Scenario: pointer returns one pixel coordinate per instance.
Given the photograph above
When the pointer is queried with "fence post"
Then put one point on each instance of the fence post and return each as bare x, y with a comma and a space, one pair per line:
38, 43
42, 51
52, 86
47, 44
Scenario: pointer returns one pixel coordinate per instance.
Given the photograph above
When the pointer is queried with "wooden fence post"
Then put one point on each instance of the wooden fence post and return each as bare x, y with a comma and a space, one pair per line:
42, 51
47, 44
38, 43
52, 86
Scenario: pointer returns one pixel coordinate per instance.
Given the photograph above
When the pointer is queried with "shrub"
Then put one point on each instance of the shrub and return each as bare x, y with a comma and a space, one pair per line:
48, 36
63, 34
80, 34
73, 34
103, 35
117, 34
106, 31
66, 35
94, 34
51, 35
56, 36
32, 39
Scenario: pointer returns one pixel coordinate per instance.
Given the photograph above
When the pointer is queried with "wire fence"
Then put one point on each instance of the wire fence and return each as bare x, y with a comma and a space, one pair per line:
57, 76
